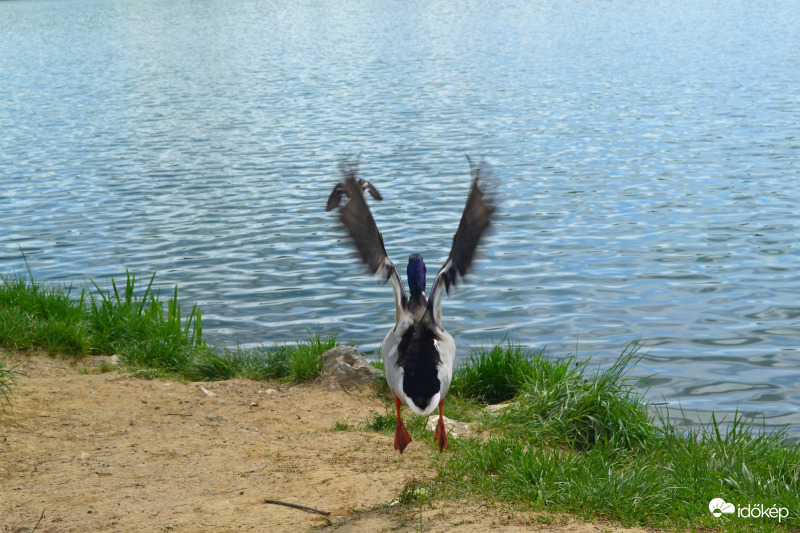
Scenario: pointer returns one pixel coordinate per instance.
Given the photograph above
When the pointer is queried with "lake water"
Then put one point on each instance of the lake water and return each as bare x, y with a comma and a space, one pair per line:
648, 156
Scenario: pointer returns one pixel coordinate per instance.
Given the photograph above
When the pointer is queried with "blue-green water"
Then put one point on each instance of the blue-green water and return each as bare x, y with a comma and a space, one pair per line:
648, 155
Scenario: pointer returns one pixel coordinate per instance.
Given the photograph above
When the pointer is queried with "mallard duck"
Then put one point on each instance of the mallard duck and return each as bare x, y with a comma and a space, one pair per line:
417, 352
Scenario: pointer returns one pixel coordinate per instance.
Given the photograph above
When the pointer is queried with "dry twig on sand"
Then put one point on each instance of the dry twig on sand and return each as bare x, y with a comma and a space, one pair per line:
298, 506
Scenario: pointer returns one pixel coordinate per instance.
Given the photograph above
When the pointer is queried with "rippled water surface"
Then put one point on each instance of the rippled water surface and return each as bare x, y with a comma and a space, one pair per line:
647, 155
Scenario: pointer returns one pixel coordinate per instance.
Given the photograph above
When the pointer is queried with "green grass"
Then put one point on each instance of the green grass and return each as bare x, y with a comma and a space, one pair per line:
560, 404
135, 324
152, 335
8, 375
384, 423
666, 484
588, 443
341, 425
498, 374
291, 362
44, 316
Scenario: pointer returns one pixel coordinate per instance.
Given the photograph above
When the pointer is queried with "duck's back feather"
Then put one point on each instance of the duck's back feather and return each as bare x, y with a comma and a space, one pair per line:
419, 357
419, 364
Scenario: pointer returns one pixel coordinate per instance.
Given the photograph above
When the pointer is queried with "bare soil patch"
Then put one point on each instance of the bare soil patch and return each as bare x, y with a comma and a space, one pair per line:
109, 452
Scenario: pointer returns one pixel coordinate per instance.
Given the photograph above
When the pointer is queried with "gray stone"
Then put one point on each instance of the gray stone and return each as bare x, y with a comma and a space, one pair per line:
344, 367
454, 428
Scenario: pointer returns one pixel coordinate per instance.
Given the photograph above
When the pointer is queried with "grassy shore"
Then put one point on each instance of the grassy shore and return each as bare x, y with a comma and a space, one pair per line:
586, 442
152, 337
572, 439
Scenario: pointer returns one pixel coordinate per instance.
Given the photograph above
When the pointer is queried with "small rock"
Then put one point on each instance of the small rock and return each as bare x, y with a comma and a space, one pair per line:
344, 367
268, 391
493, 409
454, 428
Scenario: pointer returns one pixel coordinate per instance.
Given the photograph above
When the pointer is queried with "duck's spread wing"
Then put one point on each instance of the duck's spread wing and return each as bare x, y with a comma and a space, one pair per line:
369, 187
475, 220
336, 197
359, 223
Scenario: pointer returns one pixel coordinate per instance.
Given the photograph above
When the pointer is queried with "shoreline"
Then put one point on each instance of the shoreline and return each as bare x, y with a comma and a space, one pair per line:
575, 442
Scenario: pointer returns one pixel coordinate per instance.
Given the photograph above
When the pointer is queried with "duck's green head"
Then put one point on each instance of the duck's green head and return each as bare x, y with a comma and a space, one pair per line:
416, 274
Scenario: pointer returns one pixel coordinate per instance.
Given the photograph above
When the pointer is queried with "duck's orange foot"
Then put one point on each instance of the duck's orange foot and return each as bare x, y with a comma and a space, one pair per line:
440, 435
401, 436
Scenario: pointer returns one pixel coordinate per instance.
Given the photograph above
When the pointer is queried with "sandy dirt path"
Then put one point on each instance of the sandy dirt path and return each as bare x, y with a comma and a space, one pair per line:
108, 452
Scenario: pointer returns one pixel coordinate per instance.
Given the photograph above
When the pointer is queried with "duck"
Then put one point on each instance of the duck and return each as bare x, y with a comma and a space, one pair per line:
339, 191
418, 353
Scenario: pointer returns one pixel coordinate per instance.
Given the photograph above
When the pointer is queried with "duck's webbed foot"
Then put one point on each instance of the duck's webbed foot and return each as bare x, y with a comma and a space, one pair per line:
401, 436
440, 435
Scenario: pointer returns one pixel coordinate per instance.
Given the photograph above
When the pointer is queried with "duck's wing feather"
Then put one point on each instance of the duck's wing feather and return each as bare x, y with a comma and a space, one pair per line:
370, 188
475, 219
336, 197
359, 223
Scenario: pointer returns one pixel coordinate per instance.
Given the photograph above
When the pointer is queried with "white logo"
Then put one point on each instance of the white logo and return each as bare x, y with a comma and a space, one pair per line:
717, 506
